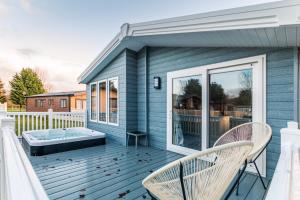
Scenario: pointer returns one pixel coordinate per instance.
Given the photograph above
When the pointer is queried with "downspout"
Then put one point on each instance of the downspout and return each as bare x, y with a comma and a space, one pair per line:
296, 85
146, 91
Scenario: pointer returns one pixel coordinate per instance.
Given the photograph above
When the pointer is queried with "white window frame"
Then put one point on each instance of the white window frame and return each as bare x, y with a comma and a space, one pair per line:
93, 83
108, 105
106, 100
61, 103
258, 104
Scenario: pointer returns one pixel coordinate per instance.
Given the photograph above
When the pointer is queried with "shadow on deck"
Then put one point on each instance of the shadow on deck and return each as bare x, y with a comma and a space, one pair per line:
112, 171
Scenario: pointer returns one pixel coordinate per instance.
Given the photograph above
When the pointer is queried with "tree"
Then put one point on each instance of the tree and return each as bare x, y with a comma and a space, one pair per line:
42, 74
2, 93
23, 84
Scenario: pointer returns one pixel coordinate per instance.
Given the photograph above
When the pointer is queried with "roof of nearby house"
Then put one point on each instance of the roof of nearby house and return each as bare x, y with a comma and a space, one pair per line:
70, 93
275, 24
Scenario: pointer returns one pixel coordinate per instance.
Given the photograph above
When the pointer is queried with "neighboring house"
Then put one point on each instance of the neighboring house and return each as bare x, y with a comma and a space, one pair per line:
58, 102
243, 59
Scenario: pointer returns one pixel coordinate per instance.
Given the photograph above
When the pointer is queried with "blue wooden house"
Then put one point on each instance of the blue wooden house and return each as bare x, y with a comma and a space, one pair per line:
186, 80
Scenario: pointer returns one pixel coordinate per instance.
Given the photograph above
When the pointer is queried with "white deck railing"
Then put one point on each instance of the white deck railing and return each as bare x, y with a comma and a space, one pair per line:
17, 177
286, 179
26, 121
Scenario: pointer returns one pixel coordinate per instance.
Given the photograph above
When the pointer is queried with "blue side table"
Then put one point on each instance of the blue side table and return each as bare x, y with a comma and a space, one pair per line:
137, 134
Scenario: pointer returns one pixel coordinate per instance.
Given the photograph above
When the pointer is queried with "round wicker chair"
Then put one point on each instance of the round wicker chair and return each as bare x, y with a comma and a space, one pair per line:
203, 175
258, 133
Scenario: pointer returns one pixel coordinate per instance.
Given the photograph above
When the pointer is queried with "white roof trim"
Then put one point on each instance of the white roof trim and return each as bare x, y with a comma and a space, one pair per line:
276, 14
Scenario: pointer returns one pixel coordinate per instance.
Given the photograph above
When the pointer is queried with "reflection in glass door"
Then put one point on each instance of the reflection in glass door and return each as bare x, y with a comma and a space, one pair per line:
186, 112
230, 101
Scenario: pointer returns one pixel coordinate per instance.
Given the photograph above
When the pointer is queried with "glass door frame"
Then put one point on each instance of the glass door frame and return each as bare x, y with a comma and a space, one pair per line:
258, 66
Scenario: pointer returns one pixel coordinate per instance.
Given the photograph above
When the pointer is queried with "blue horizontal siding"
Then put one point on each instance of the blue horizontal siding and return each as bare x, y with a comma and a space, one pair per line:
280, 85
130, 67
131, 91
115, 69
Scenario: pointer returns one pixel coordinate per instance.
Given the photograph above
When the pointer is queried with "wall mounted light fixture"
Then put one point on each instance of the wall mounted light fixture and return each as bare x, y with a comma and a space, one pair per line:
157, 83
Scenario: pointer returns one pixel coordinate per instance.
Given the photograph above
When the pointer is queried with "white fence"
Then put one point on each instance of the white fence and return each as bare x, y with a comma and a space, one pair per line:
26, 121
286, 179
17, 177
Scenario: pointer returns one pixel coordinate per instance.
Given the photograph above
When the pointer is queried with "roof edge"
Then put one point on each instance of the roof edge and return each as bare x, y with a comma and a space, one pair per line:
272, 14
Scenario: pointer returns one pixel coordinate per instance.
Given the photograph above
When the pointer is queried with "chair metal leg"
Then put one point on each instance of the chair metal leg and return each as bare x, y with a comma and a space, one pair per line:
235, 184
260, 177
152, 197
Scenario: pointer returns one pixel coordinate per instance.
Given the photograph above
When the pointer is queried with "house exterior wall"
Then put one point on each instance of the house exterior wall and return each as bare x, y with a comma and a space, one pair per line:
279, 97
80, 96
117, 68
31, 105
280, 84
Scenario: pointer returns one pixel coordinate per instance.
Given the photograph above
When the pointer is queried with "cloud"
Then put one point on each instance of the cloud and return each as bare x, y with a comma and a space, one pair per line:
28, 52
5, 8
26, 5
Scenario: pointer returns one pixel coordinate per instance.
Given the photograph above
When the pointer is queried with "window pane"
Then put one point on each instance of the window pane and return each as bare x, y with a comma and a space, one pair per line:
230, 100
93, 102
187, 108
78, 104
113, 101
102, 101
63, 103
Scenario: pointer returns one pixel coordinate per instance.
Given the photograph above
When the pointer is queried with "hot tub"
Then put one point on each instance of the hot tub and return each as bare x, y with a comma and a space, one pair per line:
43, 142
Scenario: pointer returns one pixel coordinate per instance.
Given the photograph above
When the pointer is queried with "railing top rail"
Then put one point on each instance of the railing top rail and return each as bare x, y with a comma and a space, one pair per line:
27, 113
69, 112
20, 180
42, 113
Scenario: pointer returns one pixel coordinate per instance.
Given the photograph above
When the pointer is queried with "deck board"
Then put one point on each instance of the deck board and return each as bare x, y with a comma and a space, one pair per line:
113, 171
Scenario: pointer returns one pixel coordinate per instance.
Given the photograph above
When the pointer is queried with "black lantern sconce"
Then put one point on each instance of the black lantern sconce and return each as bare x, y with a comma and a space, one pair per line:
157, 83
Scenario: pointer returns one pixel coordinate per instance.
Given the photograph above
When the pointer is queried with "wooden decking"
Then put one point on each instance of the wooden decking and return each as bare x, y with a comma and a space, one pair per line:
112, 171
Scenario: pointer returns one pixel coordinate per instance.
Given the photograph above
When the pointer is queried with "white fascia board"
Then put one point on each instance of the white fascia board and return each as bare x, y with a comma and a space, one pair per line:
275, 14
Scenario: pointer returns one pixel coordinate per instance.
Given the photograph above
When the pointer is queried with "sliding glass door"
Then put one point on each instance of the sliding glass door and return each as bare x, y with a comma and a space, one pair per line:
186, 112
205, 102
230, 100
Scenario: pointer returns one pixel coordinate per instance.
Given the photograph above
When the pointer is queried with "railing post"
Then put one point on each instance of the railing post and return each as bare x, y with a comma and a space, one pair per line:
5, 122
2, 174
3, 114
50, 118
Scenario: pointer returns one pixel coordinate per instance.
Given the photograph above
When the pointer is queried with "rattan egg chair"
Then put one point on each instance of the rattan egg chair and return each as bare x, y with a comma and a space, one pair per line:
204, 175
258, 133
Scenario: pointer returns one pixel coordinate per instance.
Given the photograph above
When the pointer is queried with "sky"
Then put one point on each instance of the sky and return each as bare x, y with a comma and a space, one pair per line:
60, 38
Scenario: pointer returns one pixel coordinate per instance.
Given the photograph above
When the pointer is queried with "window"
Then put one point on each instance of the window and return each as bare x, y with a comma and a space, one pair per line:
102, 101
50, 102
113, 100
63, 103
39, 103
105, 101
93, 108
78, 105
